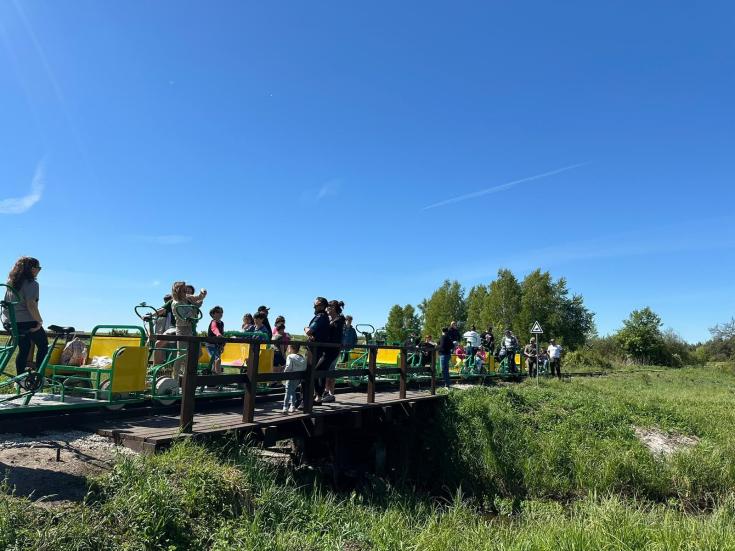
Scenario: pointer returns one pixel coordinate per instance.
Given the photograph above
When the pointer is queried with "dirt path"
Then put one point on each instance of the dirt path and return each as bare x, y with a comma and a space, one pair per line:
52, 468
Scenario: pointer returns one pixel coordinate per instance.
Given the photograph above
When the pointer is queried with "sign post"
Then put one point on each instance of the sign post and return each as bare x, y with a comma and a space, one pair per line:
537, 331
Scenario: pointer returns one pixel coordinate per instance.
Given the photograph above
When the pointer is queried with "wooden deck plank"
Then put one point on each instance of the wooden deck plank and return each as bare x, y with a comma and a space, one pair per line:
157, 431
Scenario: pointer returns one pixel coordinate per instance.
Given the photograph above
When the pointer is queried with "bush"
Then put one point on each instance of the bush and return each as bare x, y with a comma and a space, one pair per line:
588, 357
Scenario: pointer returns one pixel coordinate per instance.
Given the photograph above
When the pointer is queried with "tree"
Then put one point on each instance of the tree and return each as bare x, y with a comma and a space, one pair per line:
394, 326
476, 311
402, 322
539, 301
446, 304
503, 302
721, 347
641, 336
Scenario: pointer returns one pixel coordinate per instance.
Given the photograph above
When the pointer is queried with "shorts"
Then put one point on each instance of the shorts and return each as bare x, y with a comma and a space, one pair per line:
215, 351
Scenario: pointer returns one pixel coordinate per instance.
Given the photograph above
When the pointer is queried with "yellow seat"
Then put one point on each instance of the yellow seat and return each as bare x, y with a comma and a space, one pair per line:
387, 356
265, 360
129, 369
104, 345
234, 355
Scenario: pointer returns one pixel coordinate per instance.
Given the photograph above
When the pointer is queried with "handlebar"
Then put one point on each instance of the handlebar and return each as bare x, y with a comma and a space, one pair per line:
144, 306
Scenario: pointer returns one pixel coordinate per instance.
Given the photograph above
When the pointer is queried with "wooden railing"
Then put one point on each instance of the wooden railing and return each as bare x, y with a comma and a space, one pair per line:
249, 377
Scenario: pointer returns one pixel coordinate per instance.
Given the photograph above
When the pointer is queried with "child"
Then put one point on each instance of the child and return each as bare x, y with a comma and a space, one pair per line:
183, 318
479, 359
216, 329
294, 362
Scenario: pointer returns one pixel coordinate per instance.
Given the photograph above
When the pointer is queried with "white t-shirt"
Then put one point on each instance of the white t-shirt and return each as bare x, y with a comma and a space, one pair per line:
295, 362
554, 351
472, 338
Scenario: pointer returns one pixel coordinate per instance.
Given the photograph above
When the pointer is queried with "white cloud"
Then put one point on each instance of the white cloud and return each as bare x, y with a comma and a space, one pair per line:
19, 205
501, 187
327, 189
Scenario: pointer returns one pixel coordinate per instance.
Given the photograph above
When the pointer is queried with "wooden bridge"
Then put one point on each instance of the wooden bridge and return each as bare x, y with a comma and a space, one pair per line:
262, 416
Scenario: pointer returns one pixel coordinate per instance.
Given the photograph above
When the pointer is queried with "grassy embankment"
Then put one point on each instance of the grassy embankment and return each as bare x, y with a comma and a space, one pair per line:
563, 456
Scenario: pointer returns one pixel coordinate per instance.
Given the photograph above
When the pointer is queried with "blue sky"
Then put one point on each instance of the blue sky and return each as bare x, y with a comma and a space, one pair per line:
272, 152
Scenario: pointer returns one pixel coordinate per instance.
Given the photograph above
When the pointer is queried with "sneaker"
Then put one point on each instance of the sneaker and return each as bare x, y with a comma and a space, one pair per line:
291, 409
328, 398
284, 410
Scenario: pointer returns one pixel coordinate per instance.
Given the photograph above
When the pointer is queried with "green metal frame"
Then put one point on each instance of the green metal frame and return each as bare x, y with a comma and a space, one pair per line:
59, 376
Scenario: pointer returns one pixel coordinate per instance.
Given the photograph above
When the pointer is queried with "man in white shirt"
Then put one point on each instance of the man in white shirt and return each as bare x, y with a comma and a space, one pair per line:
473, 342
554, 351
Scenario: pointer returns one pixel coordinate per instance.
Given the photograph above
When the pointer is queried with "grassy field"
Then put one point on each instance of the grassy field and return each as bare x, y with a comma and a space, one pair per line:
556, 466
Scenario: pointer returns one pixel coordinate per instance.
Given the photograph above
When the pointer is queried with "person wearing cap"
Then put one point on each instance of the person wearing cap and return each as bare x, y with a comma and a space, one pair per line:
264, 310
529, 351
554, 351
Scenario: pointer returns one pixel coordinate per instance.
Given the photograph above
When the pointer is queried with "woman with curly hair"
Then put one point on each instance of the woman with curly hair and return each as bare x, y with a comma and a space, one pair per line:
22, 278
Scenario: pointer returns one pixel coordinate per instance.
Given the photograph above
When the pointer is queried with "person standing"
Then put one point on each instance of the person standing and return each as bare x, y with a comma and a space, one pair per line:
336, 329
472, 338
445, 354
216, 329
22, 278
248, 323
184, 307
318, 331
264, 310
555, 351
488, 340
509, 347
529, 351
453, 332
349, 339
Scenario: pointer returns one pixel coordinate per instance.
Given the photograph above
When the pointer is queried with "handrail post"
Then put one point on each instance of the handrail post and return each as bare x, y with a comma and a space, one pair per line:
372, 357
432, 367
248, 407
188, 387
308, 385
402, 375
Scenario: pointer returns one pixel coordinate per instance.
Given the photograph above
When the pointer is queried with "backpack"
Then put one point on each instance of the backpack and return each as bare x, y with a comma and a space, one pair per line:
74, 353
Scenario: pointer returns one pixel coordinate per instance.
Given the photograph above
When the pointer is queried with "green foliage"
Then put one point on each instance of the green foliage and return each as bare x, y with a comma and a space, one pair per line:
402, 322
588, 357
503, 303
563, 440
477, 314
506, 303
721, 347
552, 467
641, 336
445, 305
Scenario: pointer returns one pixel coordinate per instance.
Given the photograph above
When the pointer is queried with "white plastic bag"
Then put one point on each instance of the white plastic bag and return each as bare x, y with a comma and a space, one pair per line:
101, 361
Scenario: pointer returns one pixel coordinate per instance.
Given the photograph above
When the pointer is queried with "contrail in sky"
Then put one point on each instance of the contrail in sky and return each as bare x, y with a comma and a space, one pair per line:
501, 187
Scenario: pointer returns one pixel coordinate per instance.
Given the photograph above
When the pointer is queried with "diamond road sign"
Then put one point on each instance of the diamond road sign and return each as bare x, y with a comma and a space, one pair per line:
536, 329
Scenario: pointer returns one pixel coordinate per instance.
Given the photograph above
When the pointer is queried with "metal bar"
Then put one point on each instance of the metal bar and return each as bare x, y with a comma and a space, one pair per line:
220, 380
432, 368
248, 407
402, 370
371, 376
387, 370
189, 388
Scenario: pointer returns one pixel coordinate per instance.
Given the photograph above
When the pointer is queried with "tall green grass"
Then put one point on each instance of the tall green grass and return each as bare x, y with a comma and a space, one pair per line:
521, 468
561, 440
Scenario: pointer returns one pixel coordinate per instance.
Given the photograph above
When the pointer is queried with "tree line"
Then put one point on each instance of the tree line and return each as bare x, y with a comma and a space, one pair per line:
504, 303
509, 303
